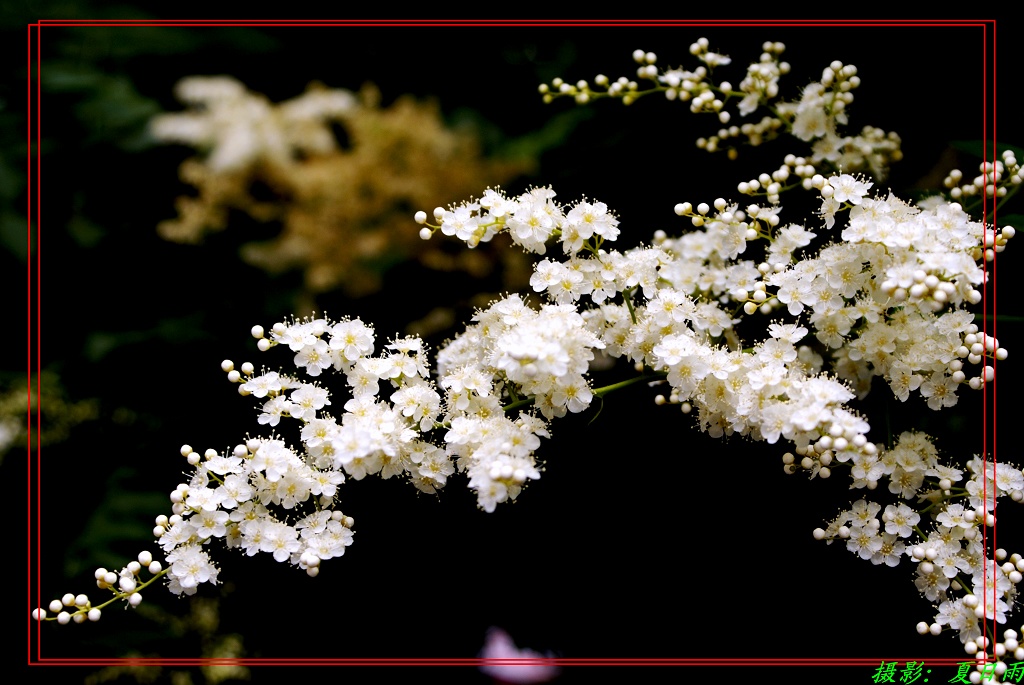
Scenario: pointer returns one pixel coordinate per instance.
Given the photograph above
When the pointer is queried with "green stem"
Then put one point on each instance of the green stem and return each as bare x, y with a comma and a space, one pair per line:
1002, 201
518, 404
601, 392
598, 392
118, 595
627, 296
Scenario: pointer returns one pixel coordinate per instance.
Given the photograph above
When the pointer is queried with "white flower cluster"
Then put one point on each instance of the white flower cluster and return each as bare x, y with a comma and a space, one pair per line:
511, 351
530, 219
396, 436
950, 548
768, 394
886, 301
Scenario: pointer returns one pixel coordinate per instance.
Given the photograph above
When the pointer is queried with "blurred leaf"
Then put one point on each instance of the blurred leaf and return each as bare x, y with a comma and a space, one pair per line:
11, 181
1015, 220
176, 330
84, 232
978, 148
245, 40
555, 131
117, 113
110, 108
123, 43
122, 517
62, 77
13, 234
100, 343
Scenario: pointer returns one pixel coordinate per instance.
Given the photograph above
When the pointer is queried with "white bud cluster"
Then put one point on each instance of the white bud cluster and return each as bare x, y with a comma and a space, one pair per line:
124, 585
794, 171
978, 347
994, 179
581, 91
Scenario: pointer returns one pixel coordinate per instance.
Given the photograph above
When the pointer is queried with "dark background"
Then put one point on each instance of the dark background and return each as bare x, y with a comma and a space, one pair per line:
644, 538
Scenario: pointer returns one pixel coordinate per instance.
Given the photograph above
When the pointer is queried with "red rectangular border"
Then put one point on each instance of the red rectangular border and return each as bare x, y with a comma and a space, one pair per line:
34, 306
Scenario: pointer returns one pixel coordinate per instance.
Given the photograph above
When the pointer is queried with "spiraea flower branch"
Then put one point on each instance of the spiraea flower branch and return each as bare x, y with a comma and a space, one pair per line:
870, 286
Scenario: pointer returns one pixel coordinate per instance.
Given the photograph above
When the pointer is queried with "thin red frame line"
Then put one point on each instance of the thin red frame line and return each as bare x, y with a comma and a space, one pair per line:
516, 22
984, 24
984, 326
555, 661
399, 24
992, 325
38, 328
995, 158
539, 22
987, 445
28, 327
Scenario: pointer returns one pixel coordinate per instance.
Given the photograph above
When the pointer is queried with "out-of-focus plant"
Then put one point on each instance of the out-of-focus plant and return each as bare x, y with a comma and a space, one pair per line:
217, 649
337, 170
46, 398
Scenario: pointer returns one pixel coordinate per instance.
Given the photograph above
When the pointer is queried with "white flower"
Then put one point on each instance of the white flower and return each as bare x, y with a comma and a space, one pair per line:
352, 340
890, 552
496, 203
279, 539
261, 386
592, 219
864, 541
1007, 476
847, 188
190, 566
273, 410
461, 222
940, 390
315, 358
931, 584
952, 613
210, 524
811, 120
900, 520
307, 400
